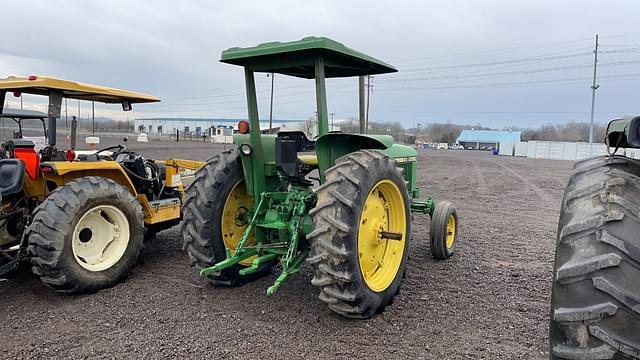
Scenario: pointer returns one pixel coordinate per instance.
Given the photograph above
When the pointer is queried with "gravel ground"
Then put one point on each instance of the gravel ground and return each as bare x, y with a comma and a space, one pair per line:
489, 301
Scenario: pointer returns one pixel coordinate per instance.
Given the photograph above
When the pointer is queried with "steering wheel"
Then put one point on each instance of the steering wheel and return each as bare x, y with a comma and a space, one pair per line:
118, 149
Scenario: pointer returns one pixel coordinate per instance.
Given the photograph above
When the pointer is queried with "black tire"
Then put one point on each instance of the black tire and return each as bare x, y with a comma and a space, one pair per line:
50, 235
202, 214
595, 302
439, 230
334, 240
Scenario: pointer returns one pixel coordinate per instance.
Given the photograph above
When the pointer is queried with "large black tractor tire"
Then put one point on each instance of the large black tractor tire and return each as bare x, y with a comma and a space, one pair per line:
338, 220
86, 215
595, 305
203, 211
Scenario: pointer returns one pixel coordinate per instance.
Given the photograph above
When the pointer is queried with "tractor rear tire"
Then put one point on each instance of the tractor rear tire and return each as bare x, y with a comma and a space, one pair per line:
595, 302
203, 212
88, 216
350, 281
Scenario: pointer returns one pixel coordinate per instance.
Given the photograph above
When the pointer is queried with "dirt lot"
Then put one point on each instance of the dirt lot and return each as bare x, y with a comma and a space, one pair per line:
490, 301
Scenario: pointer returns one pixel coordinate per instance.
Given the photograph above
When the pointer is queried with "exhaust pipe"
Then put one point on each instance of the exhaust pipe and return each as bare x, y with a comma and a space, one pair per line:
74, 126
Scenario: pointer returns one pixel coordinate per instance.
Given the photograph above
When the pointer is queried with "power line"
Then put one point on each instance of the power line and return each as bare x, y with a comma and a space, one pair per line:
514, 73
619, 77
481, 73
287, 95
202, 88
493, 51
503, 62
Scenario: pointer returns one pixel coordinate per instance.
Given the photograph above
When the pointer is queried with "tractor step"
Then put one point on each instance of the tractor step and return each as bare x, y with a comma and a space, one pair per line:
162, 210
164, 203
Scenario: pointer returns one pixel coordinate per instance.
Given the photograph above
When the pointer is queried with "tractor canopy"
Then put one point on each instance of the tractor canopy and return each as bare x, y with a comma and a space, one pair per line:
296, 58
40, 85
20, 115
58, 89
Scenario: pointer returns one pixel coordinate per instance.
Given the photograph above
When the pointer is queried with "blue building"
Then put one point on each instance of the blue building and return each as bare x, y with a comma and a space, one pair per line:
485, 139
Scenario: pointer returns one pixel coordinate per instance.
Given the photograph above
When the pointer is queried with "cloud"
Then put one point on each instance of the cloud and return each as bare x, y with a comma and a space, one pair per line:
171, 49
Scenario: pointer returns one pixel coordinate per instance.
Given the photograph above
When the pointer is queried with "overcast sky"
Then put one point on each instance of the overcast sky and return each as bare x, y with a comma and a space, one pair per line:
495, 63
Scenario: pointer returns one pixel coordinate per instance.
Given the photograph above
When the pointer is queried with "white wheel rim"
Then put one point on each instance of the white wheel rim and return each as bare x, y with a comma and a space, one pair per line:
100, 238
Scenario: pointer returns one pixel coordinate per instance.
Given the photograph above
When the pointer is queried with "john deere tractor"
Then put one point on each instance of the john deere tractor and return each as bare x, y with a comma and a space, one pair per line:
595, 309
80, 219
259, 204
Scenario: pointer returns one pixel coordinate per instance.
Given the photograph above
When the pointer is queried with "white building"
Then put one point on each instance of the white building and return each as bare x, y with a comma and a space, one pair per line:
200, 127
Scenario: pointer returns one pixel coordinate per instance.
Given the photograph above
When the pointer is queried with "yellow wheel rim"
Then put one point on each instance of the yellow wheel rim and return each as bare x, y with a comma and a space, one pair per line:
451, 231
379, 257
234, 219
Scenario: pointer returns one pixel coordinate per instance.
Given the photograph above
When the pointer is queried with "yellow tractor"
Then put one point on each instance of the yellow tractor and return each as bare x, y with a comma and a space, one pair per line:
81, 220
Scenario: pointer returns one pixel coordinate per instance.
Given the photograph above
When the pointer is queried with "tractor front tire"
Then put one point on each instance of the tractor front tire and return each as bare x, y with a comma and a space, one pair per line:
210, 218
86, 235
362, 228
444, 230
595, 302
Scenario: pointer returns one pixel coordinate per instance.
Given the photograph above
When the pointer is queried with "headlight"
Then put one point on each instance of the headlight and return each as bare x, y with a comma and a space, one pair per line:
246, 149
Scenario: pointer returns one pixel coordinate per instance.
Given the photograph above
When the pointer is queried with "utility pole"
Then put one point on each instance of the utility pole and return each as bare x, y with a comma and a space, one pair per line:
369, 86
332, 120
363, 127
21, 102
93, 117
594, 87
271, 107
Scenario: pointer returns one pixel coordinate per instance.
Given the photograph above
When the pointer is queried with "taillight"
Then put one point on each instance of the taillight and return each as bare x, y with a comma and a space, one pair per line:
31, 160
47, 169
70, 155
33, 78
243, 127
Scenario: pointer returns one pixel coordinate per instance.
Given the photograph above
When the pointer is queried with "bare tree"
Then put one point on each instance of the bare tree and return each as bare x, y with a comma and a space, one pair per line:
311, 127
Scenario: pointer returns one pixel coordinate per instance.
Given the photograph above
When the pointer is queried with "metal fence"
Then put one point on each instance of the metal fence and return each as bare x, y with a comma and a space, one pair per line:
557, 150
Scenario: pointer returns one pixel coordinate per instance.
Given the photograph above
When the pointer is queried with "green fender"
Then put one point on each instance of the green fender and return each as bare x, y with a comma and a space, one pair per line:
331, 146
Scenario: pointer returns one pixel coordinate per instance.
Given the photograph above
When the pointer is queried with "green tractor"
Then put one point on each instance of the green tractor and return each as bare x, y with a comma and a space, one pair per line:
257, 205
595, 303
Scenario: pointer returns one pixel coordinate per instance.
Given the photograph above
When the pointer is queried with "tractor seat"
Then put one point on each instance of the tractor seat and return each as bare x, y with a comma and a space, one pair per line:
309, 159
11, 176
